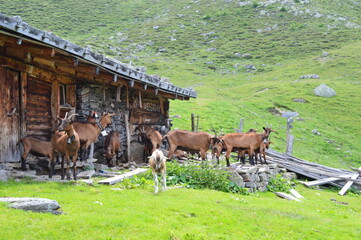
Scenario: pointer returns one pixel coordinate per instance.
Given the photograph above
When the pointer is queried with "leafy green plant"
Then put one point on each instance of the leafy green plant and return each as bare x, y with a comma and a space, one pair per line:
279, 184
143, 181
201, 177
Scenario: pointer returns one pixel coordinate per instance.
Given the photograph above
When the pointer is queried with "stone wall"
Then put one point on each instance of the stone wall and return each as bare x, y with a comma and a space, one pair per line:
256, 178
90, 98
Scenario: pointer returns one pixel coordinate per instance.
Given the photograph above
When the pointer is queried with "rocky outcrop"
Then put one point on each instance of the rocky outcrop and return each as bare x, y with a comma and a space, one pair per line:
324, 91
33, 204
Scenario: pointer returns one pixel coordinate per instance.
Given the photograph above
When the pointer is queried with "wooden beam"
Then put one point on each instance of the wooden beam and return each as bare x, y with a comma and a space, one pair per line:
140, 99
120, 178
119, 93
348, 184
103, 91
23, 99
321, 181
127, 96
127, 129
55, 98
161, 104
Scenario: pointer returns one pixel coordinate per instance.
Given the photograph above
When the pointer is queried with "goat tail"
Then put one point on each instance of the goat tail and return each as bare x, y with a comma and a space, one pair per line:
165, 138
20, 141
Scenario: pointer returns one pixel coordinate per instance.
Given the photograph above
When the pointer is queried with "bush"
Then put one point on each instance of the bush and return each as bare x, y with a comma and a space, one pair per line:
144, 181
279, 184
201, 177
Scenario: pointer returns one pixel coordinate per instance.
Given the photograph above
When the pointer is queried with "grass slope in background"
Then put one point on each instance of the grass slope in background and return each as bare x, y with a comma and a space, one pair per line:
102, 213
199, 44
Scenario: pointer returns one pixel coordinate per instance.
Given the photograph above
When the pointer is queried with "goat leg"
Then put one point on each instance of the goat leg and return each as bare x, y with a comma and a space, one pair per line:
62, 168
67, 158
164, 182
23, 165
51, 167
155, 182
251, 158
74, 165
264, 157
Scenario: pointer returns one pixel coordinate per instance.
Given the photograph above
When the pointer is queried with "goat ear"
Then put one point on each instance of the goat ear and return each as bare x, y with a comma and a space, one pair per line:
264, 128
111, 114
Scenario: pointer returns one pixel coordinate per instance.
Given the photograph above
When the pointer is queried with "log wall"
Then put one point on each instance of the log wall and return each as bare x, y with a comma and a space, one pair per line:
41, 70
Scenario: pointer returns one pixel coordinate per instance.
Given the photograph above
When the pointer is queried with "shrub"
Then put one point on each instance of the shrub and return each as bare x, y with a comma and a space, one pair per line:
279, 184
144, 181
201, 177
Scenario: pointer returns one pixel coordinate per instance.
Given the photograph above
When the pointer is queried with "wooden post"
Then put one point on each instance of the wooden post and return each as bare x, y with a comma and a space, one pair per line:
348, 184
119, 93
161, 104
54, 103
289, 145
127, 96
23, 96
140, 99
240, 128
103, 91
126, 119
197, 123
192, 121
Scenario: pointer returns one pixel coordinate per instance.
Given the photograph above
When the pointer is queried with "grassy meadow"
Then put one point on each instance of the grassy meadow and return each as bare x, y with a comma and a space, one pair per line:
245, 61
100, 212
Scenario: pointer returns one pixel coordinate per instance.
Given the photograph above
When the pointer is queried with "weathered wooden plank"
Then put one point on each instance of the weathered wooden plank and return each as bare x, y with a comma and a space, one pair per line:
120, 178
86, 174
127, 129
296, 194
286, 196
55, 98
348, 184
321, 181
311, 170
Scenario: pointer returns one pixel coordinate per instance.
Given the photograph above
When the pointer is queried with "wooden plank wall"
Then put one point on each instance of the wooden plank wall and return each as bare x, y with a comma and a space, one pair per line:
38, 108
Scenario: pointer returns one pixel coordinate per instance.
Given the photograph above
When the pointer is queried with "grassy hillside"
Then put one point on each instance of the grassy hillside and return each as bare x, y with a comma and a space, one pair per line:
243, 58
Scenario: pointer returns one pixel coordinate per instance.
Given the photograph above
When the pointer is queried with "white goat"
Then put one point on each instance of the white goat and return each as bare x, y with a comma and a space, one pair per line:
157, 162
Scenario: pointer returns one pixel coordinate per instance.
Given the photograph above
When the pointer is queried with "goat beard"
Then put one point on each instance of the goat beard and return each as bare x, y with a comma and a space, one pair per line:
157, 165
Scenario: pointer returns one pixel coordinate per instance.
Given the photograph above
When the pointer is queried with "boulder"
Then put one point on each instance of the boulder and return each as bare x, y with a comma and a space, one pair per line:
324, 91
3, 176
33, 204
310, 76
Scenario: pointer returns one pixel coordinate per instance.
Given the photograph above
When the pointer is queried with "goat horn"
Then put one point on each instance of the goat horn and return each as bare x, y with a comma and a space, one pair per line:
74, 114
66, 115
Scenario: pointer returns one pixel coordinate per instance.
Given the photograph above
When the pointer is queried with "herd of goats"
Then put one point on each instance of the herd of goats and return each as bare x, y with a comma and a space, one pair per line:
74, 138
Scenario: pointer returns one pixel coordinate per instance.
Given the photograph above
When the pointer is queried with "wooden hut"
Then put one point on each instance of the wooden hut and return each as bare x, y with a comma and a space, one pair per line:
42, 76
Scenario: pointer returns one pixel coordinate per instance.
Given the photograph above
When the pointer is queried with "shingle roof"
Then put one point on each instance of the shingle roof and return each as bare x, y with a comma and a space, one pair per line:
19, 27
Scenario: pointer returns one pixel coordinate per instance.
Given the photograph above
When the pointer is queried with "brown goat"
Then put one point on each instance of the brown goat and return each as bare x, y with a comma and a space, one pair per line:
112, 148
241, 141
88, 132
216, 152
157, 162
67, 144
151, 139
259, 152
188, 141
33, 144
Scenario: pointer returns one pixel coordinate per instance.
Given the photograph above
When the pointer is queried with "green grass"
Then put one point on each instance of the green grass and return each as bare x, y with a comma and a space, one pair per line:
208, 34
98, 212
